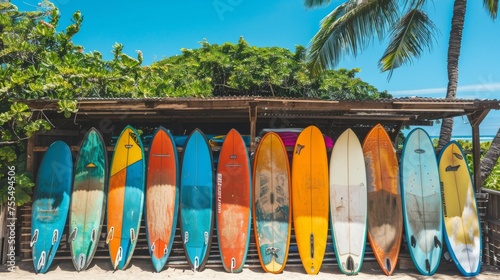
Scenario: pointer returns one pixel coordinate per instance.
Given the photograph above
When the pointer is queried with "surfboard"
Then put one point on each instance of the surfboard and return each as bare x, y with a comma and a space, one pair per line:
310, 198
234, 200
422, 205
385, 217
271, 206
197, 200
88, 199
348, 202
461, 220
162, 196
125, 197
51, 201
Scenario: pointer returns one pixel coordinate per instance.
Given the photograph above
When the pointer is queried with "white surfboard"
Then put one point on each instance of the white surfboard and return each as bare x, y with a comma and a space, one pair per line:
348, 202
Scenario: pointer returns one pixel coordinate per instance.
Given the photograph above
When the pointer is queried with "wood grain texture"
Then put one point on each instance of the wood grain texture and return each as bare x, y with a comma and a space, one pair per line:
385, 218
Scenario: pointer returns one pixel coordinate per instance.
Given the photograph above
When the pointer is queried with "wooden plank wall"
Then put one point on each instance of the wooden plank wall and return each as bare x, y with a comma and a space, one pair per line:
491, 229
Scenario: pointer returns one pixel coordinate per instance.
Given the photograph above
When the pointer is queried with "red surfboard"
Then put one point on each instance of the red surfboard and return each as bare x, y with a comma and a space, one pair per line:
233, 202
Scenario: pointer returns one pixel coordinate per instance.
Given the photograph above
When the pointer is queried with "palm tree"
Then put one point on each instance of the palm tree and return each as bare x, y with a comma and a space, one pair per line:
350, 27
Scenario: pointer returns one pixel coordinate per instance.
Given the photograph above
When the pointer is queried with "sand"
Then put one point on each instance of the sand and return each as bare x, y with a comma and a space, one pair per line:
142, 269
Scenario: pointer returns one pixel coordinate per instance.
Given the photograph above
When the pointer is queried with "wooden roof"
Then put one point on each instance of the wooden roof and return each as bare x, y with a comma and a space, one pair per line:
410, 111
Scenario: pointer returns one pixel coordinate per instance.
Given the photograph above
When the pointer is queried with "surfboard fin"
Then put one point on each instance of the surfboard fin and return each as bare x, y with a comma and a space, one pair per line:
72, 235
153, 246
233, 264
427, 266
388, 265
93, 235
350, 264
110, 235
34, 239
196, 263
41, 261
81, 262
312, 245
206, 237
165, 250
437, 243
413, 241
132, 235
186, 237
55, 236
118, 257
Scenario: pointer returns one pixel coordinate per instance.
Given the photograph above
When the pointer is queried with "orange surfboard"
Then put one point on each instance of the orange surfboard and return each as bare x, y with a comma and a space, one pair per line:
234, 199
310, 199
162, 196
385, 216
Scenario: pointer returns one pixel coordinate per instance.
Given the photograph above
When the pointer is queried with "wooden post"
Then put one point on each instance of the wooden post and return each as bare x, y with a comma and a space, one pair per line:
22, 219
476, 157
253, 126
3, 234
475, 120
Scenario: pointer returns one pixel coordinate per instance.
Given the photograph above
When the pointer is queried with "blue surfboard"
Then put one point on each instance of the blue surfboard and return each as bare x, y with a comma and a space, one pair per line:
197, 195
50, 204
422, 205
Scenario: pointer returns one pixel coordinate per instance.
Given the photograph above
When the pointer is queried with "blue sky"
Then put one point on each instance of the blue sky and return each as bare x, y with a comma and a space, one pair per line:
161, 28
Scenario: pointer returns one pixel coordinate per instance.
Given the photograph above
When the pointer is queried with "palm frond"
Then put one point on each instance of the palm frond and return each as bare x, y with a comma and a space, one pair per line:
492, 7
349, 28
316, 3
410, 36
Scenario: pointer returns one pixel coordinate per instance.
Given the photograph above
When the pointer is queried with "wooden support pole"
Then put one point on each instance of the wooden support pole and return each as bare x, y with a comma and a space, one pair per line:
476, 157
475, 120
253, 126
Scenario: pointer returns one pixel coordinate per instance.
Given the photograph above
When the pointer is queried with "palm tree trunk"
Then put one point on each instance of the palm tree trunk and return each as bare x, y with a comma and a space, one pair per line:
491, 157
454, 45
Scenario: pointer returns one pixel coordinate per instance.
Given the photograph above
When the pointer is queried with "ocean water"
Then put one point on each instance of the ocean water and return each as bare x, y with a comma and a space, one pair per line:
484, 138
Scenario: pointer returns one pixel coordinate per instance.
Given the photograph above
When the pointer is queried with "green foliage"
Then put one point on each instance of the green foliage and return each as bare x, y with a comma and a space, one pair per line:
241, 69
493, 180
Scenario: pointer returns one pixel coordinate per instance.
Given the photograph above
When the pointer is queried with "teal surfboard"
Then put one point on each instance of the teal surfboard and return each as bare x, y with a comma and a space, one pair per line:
88, 199
422, 205
50, 204
197, 200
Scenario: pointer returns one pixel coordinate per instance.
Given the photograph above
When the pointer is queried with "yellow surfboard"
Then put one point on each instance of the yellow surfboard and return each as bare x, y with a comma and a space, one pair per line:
461, 220
310, 197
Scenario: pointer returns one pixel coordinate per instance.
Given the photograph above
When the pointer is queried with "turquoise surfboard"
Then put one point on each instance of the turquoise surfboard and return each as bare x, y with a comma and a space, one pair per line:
88, 199
50, 204
422, 205
197, 200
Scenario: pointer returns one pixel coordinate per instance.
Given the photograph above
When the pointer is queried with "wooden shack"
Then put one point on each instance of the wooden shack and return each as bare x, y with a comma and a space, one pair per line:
250, 115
